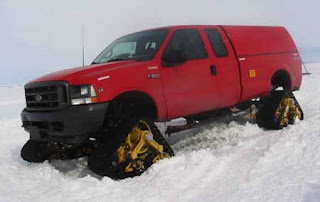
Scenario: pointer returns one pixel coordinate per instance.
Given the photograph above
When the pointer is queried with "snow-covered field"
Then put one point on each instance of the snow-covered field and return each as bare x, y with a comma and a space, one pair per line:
217, 162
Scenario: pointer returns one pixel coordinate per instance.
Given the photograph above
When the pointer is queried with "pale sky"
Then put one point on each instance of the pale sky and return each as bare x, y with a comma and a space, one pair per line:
42, 36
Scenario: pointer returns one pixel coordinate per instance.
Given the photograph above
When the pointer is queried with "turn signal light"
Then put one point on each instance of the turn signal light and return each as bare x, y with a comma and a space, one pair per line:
94, 99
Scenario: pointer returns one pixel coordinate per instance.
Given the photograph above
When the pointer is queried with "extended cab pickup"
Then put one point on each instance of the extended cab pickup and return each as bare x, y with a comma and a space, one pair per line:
158, 75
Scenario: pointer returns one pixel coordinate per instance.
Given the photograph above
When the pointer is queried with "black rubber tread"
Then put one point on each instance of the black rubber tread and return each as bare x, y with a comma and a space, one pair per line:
35, 151
159, 138
265, 116
103, 159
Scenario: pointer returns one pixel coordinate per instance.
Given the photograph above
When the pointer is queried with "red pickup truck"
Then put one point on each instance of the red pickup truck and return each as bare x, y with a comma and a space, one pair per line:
107, 110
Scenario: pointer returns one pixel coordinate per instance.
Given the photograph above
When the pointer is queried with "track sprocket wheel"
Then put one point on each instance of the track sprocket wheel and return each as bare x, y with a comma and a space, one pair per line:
135, 148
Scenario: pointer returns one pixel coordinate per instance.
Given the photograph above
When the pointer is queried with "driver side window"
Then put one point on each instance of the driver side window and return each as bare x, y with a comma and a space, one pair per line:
189, 42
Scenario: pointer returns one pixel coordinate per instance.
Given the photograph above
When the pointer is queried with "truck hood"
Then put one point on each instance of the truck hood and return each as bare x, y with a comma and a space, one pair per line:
85, 73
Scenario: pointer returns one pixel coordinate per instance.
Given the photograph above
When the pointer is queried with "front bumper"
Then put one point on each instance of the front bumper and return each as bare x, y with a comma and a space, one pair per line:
72, 124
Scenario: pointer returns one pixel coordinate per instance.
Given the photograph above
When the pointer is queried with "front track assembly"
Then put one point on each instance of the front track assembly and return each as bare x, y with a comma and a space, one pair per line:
130, 152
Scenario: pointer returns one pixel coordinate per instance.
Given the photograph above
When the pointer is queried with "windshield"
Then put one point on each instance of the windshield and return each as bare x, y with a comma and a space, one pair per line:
141, 46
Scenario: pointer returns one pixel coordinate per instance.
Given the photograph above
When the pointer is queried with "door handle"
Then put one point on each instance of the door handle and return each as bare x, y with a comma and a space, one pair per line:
213, 70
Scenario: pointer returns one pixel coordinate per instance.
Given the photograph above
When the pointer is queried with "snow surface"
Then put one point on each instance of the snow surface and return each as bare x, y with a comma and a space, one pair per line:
217, 162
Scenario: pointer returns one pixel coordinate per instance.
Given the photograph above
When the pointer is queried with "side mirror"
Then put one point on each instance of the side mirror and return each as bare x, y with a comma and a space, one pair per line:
174, 57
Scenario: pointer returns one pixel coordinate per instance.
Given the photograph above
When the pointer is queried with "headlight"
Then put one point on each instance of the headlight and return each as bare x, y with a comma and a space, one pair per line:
83, 95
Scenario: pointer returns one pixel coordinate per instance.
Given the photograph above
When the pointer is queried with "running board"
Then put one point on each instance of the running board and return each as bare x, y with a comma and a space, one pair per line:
233, 115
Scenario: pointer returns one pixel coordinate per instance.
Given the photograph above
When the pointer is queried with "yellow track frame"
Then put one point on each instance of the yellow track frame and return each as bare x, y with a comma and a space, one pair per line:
287, 111
138, 145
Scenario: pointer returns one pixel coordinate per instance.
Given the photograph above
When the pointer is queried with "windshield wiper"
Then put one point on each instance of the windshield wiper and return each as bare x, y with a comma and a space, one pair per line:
113, 60
119, 59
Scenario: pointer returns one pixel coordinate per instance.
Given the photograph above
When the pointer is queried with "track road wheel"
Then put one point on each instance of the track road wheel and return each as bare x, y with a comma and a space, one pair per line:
279, 110
130, 151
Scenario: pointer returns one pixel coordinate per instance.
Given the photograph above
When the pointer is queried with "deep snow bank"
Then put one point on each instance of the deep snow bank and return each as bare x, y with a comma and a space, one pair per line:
216, 162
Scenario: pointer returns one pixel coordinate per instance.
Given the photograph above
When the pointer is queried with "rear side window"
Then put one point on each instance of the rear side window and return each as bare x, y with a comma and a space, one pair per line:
190, 42
217, 44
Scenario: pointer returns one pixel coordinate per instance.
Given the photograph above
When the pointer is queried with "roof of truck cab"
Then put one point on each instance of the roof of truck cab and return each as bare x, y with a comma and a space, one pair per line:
205, 26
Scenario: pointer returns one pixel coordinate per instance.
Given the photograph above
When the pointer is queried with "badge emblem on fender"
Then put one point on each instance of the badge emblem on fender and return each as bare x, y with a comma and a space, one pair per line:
152, 67
153, 76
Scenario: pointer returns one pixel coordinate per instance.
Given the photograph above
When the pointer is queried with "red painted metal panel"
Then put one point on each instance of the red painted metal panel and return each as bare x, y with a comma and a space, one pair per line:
253, 40
264, 50
265, 66
227, 79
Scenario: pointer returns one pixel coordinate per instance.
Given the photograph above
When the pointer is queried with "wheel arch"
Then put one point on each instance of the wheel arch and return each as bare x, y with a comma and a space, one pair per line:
281, 78
142, 103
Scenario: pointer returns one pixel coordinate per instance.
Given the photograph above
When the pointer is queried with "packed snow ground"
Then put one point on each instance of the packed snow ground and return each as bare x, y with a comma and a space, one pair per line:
217, 162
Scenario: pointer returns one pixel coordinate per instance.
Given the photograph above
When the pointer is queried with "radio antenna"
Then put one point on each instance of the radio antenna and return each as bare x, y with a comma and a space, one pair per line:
82, 44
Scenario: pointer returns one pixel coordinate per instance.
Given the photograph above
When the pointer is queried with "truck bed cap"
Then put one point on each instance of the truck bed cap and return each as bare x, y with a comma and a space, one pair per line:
255, 40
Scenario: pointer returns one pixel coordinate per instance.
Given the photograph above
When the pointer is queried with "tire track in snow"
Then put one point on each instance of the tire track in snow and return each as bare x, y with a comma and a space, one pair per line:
284, 172
234, 168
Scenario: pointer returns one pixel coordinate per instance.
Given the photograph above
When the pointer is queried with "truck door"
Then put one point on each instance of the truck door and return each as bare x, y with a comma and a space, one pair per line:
224, 66
189, 87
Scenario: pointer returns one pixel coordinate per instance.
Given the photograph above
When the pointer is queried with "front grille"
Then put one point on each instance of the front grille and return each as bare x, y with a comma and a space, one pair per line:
44, 96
